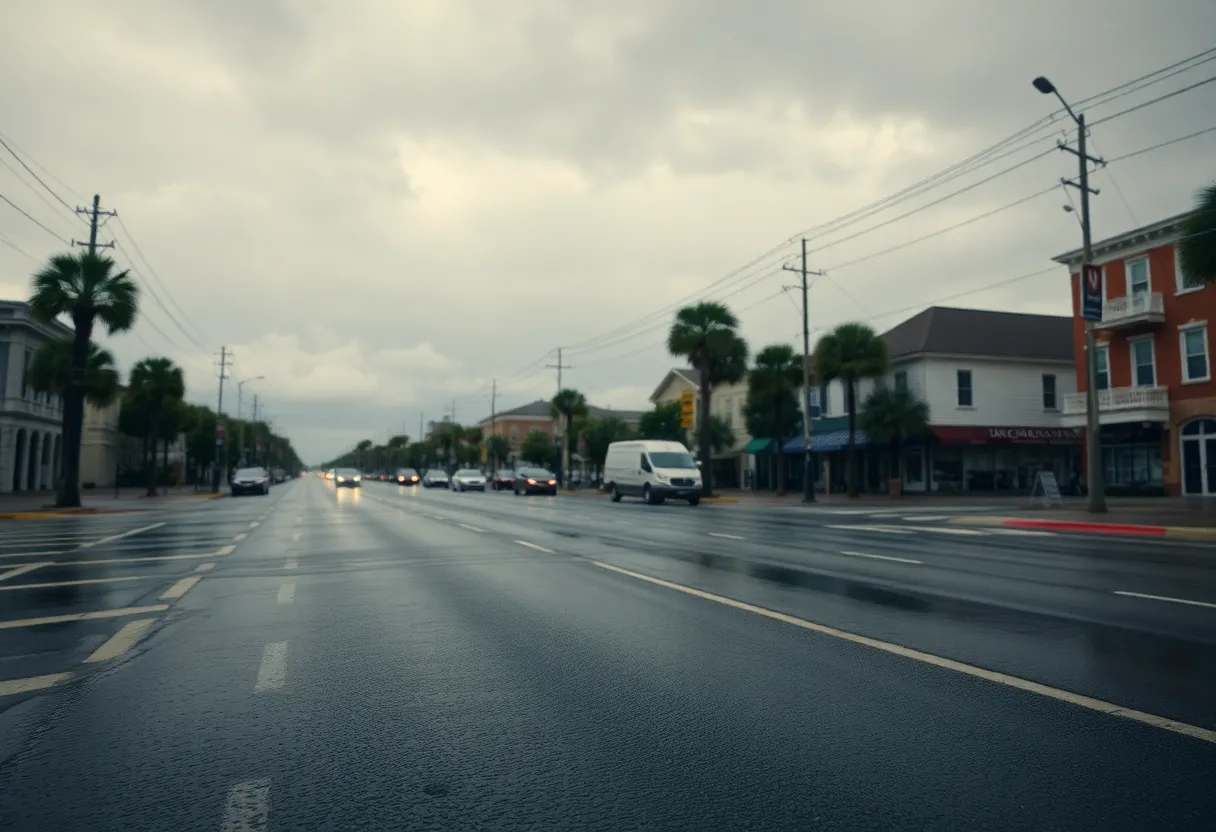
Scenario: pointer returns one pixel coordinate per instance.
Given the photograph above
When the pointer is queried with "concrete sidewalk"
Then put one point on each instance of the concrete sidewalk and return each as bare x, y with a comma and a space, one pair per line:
98, 501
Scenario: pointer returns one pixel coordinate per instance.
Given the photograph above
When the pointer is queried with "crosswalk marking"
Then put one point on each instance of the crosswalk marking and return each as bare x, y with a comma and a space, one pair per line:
122, 641
879, 529
82, 616
8, 687
180, 588
21, 570
247, 808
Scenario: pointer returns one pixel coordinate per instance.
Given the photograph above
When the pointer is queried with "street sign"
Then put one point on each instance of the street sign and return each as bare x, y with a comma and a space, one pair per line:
220, 432
1046, 490
1091, 293
687, 405
484, 453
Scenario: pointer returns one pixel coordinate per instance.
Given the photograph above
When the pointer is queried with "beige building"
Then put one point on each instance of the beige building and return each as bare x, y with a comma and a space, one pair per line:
726, 402
100, 445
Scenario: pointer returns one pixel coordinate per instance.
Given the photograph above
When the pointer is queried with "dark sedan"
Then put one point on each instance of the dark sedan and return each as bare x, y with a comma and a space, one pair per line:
535, 481
250, 481
504, 480
407, 476
347, 478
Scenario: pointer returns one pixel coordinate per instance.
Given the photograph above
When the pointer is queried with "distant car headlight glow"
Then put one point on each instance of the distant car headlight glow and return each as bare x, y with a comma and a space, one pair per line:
341, 479
357, 478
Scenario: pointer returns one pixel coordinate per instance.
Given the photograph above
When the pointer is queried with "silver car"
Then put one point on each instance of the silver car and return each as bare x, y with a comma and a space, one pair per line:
468, 479
435, 478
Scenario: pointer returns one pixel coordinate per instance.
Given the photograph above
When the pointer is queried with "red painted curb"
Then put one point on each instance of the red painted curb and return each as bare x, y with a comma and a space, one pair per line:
1080, 526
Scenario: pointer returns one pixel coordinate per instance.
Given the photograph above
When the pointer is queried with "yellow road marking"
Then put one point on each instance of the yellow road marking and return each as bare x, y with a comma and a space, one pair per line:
8, 687
80, 582
225, 550
22, 569
122, 641
82, 616
114, 537
91, 562
180, 588
1092, 704
204, 567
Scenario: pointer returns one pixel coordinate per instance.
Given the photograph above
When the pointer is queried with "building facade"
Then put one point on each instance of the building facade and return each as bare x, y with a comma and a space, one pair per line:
1156, 396
726, 401
518, 422
99, 445
31, 436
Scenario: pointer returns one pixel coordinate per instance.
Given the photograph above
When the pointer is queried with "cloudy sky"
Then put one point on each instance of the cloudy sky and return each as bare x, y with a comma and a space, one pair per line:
383, 205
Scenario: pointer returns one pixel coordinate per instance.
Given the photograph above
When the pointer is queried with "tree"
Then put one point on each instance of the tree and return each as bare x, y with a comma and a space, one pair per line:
772, 401
566, 406
498, 449
158, 384
891, 414
663, 423
599, 434
538, 449
707, 335
1197, 250
851, 352
51, 368
721, 434
85, 289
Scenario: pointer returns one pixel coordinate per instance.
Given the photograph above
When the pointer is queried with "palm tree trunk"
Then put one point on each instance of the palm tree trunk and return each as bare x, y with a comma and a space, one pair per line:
165, 459
851, 462
703, 450
73, 415
154, 435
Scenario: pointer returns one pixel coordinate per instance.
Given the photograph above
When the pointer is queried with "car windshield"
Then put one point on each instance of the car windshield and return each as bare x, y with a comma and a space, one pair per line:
250, 473
405, 472
436, 472
672, 459
505, 472
347, 472
468, 472
536, 473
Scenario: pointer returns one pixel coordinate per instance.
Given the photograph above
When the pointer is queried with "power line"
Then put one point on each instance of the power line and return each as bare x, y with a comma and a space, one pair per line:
23, 212
1152, 101
18, 249
49, 189
11, 145
1151, 148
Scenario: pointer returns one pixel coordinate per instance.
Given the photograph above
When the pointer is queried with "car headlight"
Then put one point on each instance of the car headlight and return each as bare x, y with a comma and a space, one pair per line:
531, 482
552, 482
358, 478
341, 479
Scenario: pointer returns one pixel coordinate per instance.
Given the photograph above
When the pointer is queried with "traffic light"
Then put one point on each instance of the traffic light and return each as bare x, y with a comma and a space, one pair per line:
687, 404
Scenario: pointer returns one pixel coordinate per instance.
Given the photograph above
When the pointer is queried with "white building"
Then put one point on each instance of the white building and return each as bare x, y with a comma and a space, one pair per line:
726, 402
31, 443
995, 383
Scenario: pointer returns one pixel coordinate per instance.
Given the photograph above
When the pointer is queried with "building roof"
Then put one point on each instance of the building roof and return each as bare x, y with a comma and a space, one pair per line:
625, 415
983, 333
690, 376
1105, 249
539, 409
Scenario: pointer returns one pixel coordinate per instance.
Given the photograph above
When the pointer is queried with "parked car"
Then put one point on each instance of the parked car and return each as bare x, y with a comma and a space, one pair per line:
468, 479
435, 478
347, 478
653, 470
535, 481
407, 476
250, 481
504, 480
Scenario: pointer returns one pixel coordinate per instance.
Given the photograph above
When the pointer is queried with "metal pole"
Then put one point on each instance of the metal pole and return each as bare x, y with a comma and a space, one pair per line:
808, 465
1093, 438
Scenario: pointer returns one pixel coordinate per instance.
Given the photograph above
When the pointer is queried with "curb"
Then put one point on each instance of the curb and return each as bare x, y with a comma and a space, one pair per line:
52, 514
605, 494
1127, 529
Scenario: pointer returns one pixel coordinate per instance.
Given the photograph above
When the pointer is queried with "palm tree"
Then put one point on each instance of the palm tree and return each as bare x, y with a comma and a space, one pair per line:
158, 383
891, 414
51, 369
850, 353
85, 289
772, 387
567, 405
707, 335
1198, 246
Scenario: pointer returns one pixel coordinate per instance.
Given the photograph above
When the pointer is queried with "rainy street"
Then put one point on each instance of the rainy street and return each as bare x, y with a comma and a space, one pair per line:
393, 658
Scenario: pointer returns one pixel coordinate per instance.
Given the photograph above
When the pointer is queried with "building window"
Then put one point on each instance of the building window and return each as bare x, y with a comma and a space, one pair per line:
1144, 370
1184, 282
1195, 363
901, 379
813, 403
25, 371
825, 406
1103, 363
1137, 276
965, 399
1049, 391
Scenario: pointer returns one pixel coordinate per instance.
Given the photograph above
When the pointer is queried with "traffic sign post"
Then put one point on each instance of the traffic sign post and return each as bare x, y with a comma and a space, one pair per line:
687, 408
1091, 293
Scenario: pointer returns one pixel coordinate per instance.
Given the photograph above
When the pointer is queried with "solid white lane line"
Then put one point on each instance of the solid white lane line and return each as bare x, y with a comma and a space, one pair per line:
272, 673
114, 537
21, 570
82, 616
881, 557
8, 687
944, 530
436, 517
1021, 532
80, 582
287, 593
122, 641
1167, 598
923, 518
247, 808
225, 550
292, 563
537, 548
860, 528
180, 588
470, 528
241, 536
254, 524
150, 559
43, 554
204, 567
1026, 685
727, 536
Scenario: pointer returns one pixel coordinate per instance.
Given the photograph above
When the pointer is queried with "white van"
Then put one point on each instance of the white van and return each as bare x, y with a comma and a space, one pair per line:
653, 470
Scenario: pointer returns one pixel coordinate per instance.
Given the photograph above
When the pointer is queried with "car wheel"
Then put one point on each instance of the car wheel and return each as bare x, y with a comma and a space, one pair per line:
647, 497
694, 501
614, 495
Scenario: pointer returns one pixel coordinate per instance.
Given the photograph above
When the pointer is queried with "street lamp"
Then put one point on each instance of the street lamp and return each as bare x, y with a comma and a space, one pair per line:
1093, 440
240, 387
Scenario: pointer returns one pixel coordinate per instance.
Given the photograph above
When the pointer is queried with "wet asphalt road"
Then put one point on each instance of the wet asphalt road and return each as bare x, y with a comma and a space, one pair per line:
395, 659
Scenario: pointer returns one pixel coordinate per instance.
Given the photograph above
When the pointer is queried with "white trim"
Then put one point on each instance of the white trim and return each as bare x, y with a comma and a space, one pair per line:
1179, 289
1198, 440
1131, 354
1207, 353
1105, 283
958, 388
1127, 275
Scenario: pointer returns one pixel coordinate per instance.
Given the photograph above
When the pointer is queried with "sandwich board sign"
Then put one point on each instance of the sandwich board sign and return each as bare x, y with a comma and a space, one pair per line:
1046, 490
1091, 293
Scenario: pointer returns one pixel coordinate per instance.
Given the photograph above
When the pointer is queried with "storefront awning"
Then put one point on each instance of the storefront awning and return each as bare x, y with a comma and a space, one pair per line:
826, 443
974, 435
758, 446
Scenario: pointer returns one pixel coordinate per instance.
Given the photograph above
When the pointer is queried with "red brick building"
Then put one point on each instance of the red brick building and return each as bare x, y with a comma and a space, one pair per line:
1157, 400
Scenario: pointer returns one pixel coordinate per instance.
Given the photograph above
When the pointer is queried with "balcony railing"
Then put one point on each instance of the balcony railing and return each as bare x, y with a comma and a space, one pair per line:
1120, 399
1143, 307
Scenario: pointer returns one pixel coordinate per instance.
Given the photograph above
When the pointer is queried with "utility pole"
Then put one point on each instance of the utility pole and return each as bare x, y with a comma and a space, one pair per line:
220, 431
1096, 502
559, 366
493, 416
255, 429
94, 214
808, 465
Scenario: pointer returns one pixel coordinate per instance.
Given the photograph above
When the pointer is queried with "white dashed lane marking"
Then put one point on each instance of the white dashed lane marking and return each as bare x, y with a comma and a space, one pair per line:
881, 557
247, 808
272, 673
